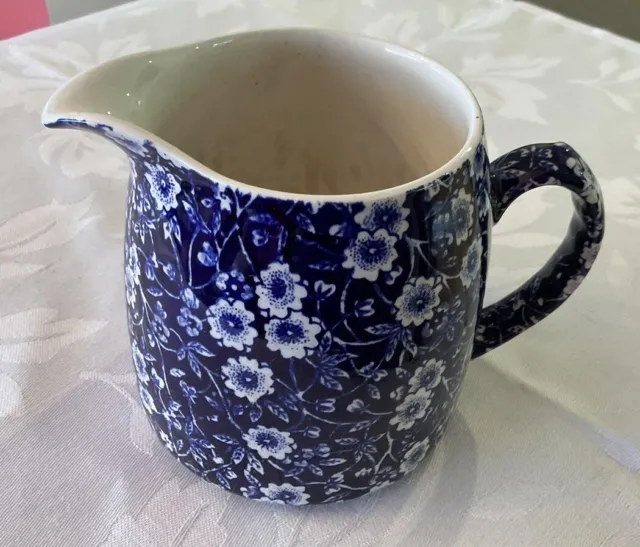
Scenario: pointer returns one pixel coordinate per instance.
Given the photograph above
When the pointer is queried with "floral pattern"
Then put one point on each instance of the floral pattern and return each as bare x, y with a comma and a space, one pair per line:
300, 352
284, 493
280, 290
247, 378
418, 300
369, 254
269, 442
231, 324
414, 456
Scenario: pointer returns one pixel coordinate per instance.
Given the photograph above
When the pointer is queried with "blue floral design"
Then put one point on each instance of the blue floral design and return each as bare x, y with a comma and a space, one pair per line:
294, 336
248, 378
231, 324
369, 254
269, 442
284, 493
301, 352
280, 290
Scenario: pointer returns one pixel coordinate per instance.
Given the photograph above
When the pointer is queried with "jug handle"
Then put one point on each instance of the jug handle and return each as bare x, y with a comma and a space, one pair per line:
511, 175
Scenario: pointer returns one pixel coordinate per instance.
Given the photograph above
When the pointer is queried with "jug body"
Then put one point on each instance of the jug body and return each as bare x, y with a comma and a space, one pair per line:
306, 248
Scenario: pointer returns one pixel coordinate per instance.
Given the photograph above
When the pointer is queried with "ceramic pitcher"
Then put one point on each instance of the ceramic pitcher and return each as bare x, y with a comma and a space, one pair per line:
307, 239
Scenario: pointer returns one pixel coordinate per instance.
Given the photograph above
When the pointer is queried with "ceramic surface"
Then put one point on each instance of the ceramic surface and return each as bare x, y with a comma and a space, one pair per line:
309, 349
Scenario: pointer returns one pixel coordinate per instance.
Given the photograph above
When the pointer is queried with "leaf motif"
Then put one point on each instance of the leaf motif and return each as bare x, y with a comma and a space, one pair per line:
322, 265
506, 502
192, 518
238, 455
278, 411
44, 227
10, 270
323, 290
140, 431
206, 8
498, 83
212, 402
316, 470
264, 218
119, 47
155, 291
303, 222
79, 154
608, 66
225, 439
373, 391
195, 365
36, 335
445, 15
398, 26
331, 461
254, 463
222, 480
325, 343
621, 102
409, 344
199, 348
619, 272
347, 441
391, 348
383, 329
11, 400
361, 425
629, 75
334, 359
255, 413
330, 383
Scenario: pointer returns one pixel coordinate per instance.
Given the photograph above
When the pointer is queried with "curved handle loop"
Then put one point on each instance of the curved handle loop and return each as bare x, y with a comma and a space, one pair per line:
512, 175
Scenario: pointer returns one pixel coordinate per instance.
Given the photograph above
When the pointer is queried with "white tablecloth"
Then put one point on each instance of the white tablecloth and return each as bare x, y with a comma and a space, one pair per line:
544, 448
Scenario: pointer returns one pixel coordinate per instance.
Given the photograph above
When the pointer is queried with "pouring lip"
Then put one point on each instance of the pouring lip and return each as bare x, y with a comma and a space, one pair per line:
54, 117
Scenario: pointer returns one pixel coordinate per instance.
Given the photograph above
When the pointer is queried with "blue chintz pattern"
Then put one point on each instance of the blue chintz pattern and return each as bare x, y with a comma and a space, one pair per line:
296, 351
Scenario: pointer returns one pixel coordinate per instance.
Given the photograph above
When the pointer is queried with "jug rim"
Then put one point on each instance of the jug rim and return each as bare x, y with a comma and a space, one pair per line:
53, 116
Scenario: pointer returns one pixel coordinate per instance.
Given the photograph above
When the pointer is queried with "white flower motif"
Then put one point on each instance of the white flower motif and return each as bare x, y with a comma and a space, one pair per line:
285, 494
292, 336
419, 298
589, 254
572, 285
427, 376
414, 407
247, 378
389, 215
462, 216
269, 442
369, 254
414, 456
132, 273
163, 186
471, 263
231, 324
139, 362
147, 400
280, 290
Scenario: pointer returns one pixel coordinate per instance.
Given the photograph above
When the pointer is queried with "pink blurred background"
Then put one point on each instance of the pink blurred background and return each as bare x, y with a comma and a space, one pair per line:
18, 16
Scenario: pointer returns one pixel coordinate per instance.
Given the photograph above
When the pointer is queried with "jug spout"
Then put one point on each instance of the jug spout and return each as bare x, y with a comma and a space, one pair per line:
111, 100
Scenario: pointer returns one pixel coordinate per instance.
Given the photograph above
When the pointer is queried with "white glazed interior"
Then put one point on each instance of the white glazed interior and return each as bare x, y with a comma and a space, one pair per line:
295, 111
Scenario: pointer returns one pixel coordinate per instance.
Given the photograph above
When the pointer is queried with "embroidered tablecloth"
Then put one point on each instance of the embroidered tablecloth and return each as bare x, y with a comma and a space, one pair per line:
544, 447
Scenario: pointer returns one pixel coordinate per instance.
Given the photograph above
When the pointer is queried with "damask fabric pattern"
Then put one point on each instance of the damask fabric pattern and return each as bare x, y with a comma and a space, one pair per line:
544, 447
